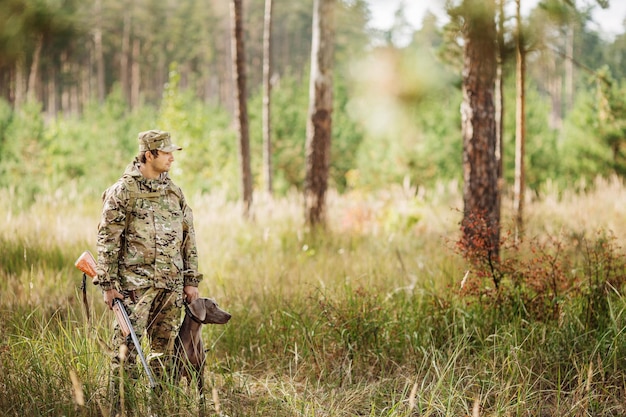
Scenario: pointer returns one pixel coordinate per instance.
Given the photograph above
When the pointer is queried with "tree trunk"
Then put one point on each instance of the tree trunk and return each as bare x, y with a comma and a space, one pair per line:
500, 104
267, 93
74, 71
124, 58
569, 67
481, 219
319, 121
520, 129
52, 93
86, 92
65, 90
241, 108
555, 90
99, 54
135, 80
33, 77
19, 93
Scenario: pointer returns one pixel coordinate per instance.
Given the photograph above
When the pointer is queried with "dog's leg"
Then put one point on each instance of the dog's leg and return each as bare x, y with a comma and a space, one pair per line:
202, 405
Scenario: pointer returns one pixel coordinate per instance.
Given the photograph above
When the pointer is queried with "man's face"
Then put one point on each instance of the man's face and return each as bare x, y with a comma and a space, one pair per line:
162, 162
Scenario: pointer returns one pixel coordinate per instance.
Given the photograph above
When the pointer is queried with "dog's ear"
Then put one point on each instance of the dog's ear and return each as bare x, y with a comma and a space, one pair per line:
198, 308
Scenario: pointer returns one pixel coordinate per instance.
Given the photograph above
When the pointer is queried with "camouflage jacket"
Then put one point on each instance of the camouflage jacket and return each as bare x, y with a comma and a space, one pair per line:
152, 243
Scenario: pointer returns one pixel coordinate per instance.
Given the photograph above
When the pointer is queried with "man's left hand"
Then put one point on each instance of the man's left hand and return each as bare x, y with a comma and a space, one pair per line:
190, 293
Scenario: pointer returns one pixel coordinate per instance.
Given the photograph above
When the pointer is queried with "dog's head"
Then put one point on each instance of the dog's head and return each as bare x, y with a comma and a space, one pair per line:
206, 311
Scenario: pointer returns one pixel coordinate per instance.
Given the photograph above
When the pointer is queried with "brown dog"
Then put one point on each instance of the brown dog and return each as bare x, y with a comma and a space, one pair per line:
188, 348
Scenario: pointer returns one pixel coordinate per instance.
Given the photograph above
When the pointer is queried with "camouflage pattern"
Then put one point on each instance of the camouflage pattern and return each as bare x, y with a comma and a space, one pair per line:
158, 249
156, 313
147, 251
156, 139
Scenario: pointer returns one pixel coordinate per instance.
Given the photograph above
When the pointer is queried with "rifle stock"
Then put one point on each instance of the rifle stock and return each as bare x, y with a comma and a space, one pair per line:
87, 264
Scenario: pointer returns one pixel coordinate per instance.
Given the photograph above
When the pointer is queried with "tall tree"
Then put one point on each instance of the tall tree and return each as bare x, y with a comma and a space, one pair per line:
125, 55
499, 97
481, 218
135, 74
98, 51
241, 105
267, 95
319, 122
520, 126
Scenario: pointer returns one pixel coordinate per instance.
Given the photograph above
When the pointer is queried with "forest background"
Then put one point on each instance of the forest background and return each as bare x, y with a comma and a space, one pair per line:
395, 114
378, 316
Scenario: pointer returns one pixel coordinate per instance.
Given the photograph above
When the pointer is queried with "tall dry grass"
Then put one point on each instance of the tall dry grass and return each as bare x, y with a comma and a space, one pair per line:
363, 319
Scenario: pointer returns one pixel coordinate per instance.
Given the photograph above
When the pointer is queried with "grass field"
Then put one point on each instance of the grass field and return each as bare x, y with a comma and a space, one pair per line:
365, 319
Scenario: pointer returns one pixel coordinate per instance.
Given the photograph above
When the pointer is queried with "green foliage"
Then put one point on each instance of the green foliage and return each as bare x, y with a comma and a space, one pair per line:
23, 23
6, 114
615, 56
583, 154
209, 159
402, 129
544, 155
23, 152
289, 112
348, 135
92, 152
289, 120
89, 153
404, 100
66, 154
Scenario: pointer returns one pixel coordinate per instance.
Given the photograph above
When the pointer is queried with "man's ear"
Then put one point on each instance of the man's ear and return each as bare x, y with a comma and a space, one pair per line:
148, 155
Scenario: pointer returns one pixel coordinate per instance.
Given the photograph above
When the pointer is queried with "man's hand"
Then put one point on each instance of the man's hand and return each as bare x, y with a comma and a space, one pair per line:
190, 293
111, 295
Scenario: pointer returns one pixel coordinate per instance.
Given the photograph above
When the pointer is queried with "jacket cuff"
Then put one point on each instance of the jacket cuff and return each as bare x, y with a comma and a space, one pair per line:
192, 280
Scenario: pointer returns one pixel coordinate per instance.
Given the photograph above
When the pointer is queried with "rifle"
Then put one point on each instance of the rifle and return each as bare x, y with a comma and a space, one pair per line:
87, 264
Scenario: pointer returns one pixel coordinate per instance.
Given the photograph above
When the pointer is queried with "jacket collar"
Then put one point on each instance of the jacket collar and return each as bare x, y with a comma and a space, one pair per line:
156, 184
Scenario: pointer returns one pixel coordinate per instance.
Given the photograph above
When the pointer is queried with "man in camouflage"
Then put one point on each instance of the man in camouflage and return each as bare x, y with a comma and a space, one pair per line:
147, 253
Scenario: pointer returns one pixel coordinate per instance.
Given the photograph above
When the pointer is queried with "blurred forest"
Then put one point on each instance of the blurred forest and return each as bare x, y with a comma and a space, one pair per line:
79, 79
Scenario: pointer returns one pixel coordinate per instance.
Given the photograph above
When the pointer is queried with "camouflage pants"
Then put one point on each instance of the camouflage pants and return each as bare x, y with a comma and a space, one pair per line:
153, 312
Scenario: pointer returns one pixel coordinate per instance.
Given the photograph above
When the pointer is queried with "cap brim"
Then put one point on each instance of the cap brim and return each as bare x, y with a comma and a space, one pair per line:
171, 148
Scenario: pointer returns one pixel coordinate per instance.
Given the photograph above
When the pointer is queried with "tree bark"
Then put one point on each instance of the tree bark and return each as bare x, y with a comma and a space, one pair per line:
124, 58
99, 54
267, 94
19, 92
33, 77
52, 93
569, 67
481, 219
241, 107
319, 121
555, 81
500, 109
74, 70
65, 90
135, 80
520, 128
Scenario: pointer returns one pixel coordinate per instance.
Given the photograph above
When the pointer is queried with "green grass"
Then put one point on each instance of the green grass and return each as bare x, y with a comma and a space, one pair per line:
365, 319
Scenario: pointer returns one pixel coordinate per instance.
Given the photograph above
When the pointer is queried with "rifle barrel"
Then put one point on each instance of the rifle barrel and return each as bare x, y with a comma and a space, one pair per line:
136, 342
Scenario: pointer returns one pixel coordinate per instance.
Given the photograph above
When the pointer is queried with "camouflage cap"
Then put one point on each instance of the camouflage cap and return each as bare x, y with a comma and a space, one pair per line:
156, 139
